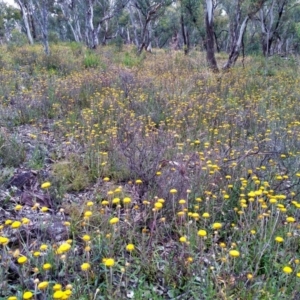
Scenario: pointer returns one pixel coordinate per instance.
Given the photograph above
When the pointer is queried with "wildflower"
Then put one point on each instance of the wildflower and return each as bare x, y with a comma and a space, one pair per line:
234, 253
182, 201
116, 201
222, 245
130, 247
47, 266
109, 262
138, 181
195, 216
58, 294
126, 200
249, 276
202, 233
173, 191
290, 219
63, 248
158, 205
3, 240
298, 275
217, 226
27, 295
25, 221
12, 298
43, 247
18, 207
36, 254
205, 215
279, 239
87, 214
43, 285
90, 203
86, 238
113, 221
8, 222
182, 239
46, 185
85, 266
106, 179
287, 270
44, 209
57, 287
22, 260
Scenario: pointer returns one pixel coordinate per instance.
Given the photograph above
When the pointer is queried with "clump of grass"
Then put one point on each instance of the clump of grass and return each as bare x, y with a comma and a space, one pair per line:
72, 173
12, 151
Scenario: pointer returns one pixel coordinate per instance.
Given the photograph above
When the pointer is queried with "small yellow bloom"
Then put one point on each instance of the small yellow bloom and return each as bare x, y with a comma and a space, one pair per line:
27, 295
43, 247
8, 222
138, 181
290, 219
173, 191
126, 200
87, 214
287, 270
85, 266
43, 285
47, 266
249, 276
22, 260
158, 205
113, 221
18, 207
182, 239
205, 215
63, 248
58, 295
3, 240
57, 287
46, 185
279, 239
217, 226
86, 238
202, 233
130, 247
25, 221
44, 209
234, 253
109, 262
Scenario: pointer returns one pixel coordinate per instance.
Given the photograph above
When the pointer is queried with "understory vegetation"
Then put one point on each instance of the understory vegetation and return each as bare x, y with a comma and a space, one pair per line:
148, 177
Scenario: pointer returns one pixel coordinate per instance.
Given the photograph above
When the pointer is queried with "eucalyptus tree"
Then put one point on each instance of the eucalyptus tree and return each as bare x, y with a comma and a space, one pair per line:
9, 20
240, 12
210, 35
98, 15
143, 14
191, 18
26, 8
72, 12
271, 18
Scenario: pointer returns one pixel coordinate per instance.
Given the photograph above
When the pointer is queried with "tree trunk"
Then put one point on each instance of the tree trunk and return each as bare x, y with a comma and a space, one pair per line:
26, 22
236, 47
185, 36
210, 40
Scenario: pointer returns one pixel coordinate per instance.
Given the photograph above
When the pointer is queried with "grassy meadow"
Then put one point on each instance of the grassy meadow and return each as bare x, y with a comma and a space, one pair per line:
148, 177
